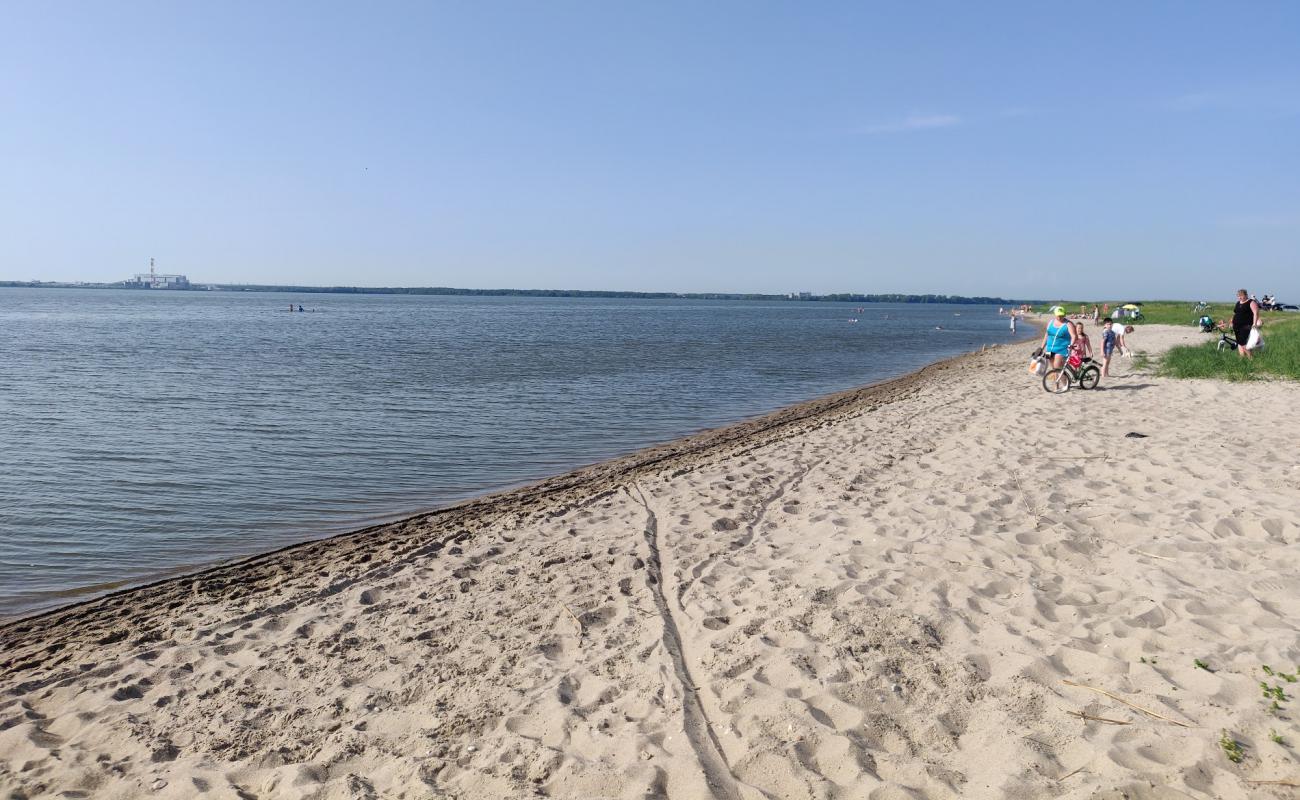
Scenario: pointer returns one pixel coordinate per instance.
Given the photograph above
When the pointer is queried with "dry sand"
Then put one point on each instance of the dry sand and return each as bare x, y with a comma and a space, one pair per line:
883, 594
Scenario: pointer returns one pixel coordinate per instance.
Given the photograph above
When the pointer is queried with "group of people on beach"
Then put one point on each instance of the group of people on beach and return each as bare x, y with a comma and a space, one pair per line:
1063, 335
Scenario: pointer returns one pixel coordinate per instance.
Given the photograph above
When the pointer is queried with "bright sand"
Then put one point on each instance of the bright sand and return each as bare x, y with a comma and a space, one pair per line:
888, 593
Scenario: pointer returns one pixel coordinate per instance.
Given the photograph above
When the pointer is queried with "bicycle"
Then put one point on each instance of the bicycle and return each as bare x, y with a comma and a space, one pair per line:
1226, 342
1059, 379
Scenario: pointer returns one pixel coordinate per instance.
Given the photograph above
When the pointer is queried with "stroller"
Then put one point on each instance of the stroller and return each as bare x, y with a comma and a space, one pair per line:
1207, 324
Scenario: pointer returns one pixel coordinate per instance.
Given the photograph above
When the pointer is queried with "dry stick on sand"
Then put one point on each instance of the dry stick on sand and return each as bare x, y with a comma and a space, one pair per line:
1037, 519
1153, 555
1085, 716
1275, 783
581, 628
1117, 698
981, 566
1074, 771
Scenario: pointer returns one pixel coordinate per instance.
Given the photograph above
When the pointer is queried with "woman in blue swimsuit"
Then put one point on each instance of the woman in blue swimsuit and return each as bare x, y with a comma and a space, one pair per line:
1058, 337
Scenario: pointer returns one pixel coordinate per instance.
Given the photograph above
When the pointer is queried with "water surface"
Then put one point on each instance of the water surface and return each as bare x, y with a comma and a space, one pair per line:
143, 432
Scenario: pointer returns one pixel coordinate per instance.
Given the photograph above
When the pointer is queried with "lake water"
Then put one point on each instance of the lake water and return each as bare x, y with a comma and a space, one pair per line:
144, 433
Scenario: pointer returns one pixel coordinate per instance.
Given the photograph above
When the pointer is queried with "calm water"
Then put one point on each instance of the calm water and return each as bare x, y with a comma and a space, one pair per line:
143, 433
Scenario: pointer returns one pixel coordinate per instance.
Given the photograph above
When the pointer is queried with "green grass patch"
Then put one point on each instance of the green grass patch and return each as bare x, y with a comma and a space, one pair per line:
1279, 358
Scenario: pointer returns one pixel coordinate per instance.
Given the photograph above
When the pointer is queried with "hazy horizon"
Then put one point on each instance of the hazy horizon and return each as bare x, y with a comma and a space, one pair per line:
1017, 150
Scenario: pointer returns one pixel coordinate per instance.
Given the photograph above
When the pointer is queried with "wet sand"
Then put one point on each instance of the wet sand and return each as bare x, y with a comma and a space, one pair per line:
911, 590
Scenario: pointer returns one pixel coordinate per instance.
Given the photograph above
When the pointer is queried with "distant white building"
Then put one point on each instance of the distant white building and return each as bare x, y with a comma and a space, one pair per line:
157, 280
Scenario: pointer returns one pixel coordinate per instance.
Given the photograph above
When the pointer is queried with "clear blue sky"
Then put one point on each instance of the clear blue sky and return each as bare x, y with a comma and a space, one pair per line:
1025, 149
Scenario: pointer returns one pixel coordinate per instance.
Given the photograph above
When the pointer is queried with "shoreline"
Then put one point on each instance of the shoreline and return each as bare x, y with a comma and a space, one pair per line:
642, 458
222, 513
950, 584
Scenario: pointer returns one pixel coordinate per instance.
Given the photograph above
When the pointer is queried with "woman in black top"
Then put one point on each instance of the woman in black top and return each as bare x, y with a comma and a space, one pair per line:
1245, 316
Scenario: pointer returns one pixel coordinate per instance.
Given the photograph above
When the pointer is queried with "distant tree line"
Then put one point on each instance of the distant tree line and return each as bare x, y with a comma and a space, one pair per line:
447, 290
917, 298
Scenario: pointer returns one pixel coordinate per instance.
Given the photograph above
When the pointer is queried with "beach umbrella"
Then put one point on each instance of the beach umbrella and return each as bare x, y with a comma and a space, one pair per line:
1132, 307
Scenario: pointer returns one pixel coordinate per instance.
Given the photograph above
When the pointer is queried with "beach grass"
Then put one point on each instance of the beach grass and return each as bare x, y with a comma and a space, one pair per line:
1166, 312
1279, 358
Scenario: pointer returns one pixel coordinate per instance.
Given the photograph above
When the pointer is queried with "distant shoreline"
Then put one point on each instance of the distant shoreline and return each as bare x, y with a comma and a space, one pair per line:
452, 291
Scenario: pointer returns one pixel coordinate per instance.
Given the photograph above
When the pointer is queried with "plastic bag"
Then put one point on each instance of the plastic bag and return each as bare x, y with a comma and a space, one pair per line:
1255, 341
1038, 365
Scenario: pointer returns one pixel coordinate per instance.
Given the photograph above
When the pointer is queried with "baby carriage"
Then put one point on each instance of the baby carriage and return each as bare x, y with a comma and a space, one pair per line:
1207, 324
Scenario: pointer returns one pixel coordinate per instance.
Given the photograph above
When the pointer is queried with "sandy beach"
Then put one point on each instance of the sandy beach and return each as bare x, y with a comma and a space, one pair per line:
949, 585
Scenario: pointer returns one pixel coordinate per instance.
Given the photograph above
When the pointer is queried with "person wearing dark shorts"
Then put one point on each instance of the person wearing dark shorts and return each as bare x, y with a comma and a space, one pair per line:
1108, 339
1245, 316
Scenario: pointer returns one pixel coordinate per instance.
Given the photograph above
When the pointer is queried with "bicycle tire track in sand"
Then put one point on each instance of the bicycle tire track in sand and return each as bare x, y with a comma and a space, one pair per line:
717, 772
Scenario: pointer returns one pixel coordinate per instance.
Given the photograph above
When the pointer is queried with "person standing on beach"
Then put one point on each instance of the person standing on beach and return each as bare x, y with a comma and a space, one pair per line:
1108, 339
1013, 323
1058, 337
1081, 341
1245, 318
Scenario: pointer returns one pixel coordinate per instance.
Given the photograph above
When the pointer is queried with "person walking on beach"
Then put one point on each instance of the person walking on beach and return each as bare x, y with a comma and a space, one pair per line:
1081, 341
1013, 323
1058, 337
1245, 318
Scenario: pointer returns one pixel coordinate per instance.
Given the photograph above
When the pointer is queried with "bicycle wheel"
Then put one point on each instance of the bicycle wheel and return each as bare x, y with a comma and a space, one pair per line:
1223, 345
1057, 381
1089, 377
